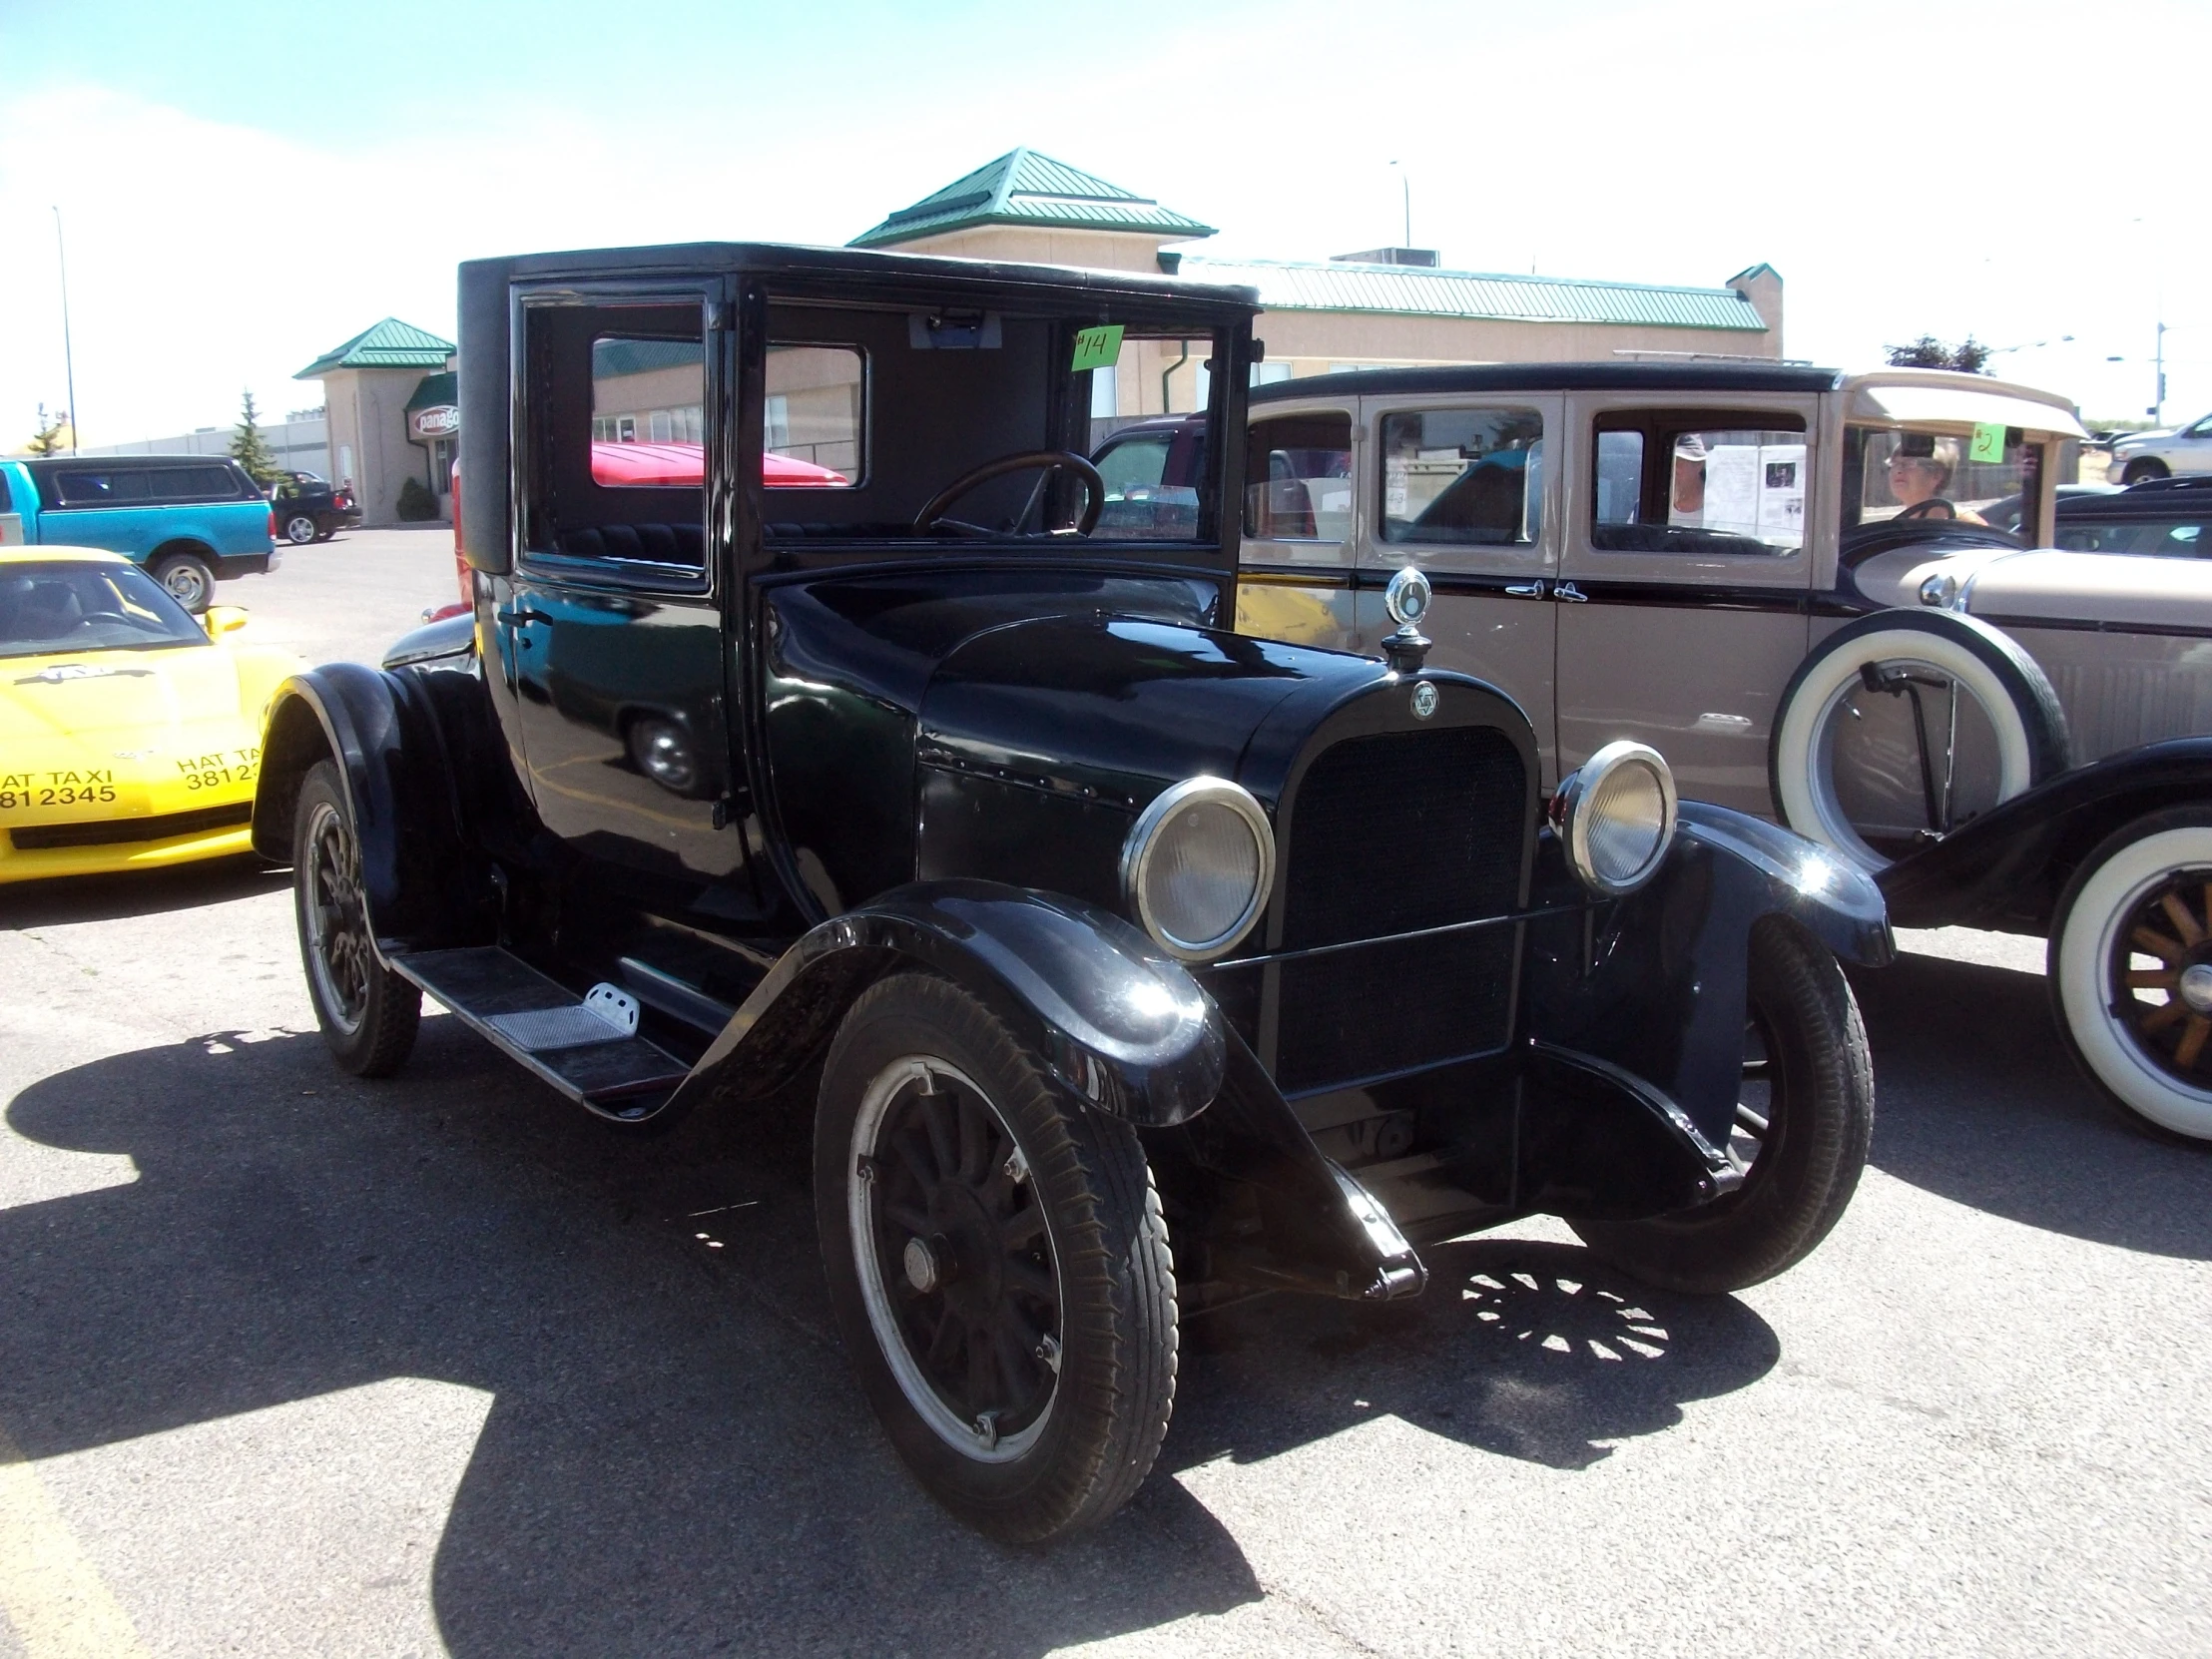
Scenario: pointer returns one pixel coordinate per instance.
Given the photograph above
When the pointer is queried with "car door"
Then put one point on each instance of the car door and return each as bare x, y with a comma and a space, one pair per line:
1684, 594
1459, 486
1295, 572
611, 626
2191, 450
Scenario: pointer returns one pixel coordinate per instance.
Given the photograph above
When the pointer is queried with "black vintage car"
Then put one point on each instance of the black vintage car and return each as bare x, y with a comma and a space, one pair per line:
1129, 963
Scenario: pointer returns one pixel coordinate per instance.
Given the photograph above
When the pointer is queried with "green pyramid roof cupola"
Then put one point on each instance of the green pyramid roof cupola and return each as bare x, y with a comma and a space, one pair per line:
1024, 188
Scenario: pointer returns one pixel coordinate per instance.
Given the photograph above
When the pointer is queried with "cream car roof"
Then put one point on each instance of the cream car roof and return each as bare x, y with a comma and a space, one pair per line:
1939, 398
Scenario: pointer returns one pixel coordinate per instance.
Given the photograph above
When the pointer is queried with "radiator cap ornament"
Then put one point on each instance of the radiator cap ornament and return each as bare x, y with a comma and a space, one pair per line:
1407, 599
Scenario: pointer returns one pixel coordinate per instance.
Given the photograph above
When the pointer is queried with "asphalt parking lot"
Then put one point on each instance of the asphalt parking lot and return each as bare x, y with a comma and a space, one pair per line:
292, 1364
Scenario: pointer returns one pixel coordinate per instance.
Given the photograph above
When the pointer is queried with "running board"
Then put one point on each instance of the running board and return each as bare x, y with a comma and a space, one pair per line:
583, 1047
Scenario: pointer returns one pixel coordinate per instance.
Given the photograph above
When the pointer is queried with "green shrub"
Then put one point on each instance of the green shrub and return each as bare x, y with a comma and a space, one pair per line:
417, 503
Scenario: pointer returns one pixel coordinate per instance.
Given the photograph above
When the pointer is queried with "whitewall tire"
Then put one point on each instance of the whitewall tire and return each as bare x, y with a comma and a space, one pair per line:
1991, 672
2130, 971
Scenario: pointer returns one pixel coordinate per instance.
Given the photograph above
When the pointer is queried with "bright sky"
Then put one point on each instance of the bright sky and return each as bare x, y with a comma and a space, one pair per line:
244, 186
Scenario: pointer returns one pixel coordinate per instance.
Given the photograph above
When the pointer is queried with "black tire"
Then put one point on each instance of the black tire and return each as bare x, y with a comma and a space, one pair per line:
2130, 987
187, 579
300, 529
368, 1014
1805, 1167
2012, 692
2144, 470
1047, 1217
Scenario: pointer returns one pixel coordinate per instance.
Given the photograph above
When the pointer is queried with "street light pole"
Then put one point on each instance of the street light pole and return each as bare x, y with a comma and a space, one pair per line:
2158, 359
1406, 183
69, 355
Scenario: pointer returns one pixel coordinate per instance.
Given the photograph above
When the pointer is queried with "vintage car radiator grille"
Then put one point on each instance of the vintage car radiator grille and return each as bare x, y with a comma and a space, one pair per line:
1390, 832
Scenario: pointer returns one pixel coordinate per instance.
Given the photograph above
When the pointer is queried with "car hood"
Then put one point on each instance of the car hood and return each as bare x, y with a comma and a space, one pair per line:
2122, 590
2136, 440
97, 706
1111, 708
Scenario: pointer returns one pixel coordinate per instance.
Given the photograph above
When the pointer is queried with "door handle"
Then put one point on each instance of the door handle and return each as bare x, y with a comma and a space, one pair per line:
1569, 594
1525, 589
520, 617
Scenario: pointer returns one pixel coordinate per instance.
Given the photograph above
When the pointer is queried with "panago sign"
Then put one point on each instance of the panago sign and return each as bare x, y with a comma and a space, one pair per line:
438, 421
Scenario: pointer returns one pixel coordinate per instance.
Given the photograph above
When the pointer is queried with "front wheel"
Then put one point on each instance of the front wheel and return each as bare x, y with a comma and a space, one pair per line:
368, 1013
1804, 1121
997, 1262
188, 580
300, 529
2143, 471
2130, 971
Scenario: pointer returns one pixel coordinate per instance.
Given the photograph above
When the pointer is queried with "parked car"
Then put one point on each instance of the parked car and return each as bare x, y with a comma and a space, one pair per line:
308, 509
192, 521
1786, 579
2168, 518
2170, 451
130, 733
1083, 926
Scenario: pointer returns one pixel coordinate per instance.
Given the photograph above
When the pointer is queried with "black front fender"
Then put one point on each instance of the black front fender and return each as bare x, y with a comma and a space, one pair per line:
1118, 1023
421, 883
1656, 984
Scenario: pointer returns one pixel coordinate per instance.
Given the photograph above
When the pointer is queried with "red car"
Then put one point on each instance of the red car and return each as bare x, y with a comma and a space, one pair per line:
644, 465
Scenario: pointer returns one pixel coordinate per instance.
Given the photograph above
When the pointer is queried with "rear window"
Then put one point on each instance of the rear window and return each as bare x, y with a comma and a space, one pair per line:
143, 486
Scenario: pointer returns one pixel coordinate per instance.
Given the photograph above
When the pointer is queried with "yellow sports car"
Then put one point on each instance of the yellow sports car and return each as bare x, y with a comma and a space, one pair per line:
130, 737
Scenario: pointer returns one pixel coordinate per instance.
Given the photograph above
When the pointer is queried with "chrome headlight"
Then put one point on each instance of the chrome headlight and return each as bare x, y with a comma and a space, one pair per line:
1198, 867
1616, 815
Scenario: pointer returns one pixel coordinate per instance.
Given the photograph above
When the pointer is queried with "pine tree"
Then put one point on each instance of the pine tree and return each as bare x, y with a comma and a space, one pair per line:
250, 450
47, 440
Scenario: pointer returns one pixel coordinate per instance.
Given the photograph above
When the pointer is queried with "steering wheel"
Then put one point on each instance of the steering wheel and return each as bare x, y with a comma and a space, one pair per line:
1094, 487
1933, 508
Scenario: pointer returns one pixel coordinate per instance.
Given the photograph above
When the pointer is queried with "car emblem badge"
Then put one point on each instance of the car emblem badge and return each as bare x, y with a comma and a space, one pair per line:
1425, 700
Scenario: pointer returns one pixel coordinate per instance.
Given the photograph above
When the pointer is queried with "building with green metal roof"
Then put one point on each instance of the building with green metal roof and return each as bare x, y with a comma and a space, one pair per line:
393, 414
1391, 307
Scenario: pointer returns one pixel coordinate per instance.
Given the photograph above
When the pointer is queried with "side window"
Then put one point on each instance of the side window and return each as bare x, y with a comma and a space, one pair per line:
106, 488
1472, 477
1698, 481
813, 423
614, 438
1298, 478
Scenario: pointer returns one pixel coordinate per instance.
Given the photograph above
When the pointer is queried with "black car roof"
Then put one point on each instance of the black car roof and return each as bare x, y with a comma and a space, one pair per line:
1564, 377
864, 264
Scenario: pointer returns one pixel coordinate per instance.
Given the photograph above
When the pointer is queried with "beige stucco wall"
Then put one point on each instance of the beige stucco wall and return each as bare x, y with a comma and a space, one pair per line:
1035, 245
367, 413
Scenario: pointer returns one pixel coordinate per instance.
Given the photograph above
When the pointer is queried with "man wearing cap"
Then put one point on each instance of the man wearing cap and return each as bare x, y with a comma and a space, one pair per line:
1686, 507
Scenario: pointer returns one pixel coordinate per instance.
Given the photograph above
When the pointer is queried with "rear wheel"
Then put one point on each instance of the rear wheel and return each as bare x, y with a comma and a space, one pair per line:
1804, 1121
187, 579
368, 1014
2131, 972
997, 1262
300, 529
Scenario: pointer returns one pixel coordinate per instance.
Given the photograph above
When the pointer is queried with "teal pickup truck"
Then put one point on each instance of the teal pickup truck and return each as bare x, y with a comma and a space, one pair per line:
192, 521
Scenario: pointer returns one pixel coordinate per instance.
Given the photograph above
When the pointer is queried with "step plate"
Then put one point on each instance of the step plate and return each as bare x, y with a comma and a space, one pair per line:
517, 1009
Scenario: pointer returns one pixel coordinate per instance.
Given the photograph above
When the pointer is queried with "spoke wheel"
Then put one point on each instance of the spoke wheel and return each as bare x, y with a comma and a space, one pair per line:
955, 1258
1803, 1123
2130, 971
368, 1014
997, 1263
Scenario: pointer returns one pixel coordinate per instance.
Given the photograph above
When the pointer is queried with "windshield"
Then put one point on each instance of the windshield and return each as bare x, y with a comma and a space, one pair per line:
1906, 484
62, 605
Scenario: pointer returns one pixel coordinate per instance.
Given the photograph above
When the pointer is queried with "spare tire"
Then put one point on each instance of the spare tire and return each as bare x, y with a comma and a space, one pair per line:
1828, 781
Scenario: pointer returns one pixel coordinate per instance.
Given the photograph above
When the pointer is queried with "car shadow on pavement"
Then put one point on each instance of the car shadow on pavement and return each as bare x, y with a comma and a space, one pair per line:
62, 901
1530, 1350
674, 1458
1978, 1101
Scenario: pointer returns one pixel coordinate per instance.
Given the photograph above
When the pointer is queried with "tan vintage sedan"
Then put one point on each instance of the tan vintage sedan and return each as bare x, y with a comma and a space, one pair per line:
1826, 598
